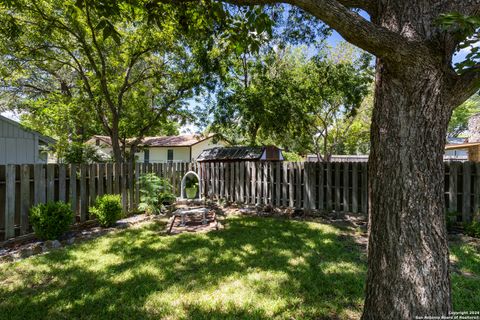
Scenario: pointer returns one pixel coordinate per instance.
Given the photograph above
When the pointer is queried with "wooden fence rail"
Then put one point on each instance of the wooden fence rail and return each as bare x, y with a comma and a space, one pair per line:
339, 186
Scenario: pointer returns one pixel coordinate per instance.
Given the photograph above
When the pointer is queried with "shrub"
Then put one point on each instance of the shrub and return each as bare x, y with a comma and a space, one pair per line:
155, 192
107, 209
51, 220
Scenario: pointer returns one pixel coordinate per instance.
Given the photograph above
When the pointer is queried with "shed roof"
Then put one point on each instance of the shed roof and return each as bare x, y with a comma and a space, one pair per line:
18, 125
231, 153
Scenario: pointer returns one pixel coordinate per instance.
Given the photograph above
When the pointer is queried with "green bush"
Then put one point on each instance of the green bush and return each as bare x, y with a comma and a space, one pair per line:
472, 229
50, 220
155, 192
107, 209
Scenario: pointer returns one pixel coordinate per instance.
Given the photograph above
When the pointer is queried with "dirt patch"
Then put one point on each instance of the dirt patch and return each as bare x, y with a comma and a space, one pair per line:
193, 223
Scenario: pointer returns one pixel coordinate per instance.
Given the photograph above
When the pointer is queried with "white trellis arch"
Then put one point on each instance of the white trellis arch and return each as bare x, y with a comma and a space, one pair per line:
184, 179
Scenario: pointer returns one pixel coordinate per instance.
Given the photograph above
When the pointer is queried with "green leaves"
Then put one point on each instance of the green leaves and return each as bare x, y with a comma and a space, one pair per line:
108, 30
466, 29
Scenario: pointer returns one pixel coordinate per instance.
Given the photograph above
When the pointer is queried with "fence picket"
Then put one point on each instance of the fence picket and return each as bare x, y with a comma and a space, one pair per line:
354, 187
10, 201
83, 192
62, 183
329, 188
337, 167
364, 188
346, 190
466, 192
24, 197
320, 189
296, 185
73, 190
101, 179
39, 185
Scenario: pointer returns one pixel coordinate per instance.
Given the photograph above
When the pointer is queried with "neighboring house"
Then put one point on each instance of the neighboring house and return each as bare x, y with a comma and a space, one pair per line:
224, 154
340, 158
181, 148
21, 146
452, 149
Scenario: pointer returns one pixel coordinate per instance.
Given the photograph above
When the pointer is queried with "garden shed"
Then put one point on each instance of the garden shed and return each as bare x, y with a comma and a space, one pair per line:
261, 153
21, 146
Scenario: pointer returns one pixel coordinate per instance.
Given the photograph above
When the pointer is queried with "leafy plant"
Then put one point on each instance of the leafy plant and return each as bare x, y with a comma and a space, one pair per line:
51, 220
155, 192
191, 182
107, 209
473, 229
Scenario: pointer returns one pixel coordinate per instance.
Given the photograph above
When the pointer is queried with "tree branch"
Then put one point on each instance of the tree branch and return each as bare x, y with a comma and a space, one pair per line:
354, 28
466, 85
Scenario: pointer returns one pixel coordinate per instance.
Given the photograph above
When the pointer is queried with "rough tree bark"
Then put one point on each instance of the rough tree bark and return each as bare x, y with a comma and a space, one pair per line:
416, 90
407, 250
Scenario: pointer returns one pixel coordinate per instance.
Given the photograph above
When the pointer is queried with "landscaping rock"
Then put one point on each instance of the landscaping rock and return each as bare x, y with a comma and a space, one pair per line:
37, 248
25, 252
48, 244
56, 244
71, 240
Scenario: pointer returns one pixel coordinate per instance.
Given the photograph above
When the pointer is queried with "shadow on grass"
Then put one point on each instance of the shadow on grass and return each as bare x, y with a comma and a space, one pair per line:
256, 268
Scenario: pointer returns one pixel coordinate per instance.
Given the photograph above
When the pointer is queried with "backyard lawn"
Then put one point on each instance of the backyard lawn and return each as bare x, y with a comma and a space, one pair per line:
255, 268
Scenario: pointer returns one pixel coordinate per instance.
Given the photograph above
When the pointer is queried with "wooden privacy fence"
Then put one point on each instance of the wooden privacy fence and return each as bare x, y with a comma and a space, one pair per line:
22, 186
339, 186
303, 185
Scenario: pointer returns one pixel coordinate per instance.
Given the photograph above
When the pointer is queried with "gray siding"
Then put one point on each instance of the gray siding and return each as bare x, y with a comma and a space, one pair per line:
17, 146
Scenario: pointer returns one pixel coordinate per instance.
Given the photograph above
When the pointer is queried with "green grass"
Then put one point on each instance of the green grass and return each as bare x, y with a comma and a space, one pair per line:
256, 268
466, 281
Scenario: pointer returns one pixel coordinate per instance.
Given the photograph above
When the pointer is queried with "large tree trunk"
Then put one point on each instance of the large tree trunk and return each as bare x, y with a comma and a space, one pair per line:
408, 272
